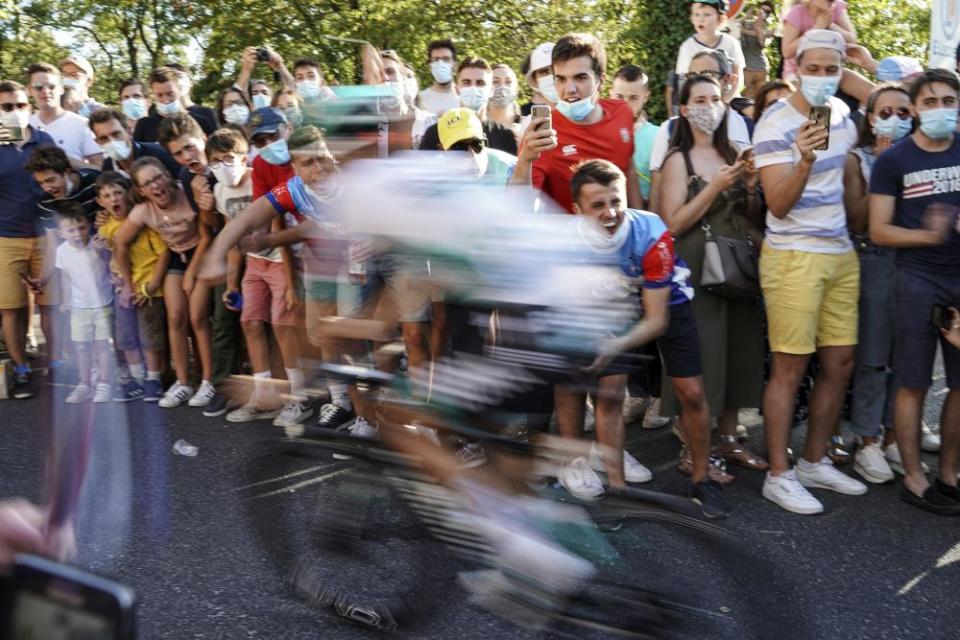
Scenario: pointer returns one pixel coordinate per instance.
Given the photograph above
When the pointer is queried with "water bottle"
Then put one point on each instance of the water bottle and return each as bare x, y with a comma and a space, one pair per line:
184, 448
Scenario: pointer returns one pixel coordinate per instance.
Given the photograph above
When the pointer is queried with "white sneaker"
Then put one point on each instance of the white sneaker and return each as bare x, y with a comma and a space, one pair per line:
293, 413
203, 396
653, 419
80, 393
786, 491
823, 475
633, 470
870, 463
892, 454
359, 428
250, 412
176, 395
634, 407
929, 437
103, 393
580, 480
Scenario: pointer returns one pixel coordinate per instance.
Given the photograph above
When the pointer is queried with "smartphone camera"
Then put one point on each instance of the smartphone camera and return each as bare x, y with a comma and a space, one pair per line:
262, 54
940, 317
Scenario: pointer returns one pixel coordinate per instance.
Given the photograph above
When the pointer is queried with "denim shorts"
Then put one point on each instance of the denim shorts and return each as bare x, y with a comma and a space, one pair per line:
916, 339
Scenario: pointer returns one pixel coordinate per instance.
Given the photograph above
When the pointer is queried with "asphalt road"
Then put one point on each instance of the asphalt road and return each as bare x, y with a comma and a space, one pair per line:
180, 531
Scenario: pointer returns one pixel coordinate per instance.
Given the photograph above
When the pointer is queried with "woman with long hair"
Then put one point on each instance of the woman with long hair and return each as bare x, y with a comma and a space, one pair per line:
707, 190
234, 109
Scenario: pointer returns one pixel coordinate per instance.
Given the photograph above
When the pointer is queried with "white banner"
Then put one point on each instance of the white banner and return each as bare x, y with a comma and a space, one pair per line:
944, 33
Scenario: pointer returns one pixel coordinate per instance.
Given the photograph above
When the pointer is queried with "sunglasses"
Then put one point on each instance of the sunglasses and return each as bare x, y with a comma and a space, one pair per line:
41, 87
902, 113
10, 106
468, 145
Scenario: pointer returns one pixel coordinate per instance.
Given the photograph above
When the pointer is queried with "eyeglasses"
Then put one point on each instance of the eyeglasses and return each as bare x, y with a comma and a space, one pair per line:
903, 113
716, 75
468, 145
10, 106
41, 87
152, 182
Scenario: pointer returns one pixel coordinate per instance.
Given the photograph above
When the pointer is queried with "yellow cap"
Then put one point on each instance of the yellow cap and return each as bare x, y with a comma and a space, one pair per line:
459, 124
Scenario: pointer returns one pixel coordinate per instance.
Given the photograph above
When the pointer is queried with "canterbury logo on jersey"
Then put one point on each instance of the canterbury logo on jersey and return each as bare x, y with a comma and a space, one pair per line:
569, 150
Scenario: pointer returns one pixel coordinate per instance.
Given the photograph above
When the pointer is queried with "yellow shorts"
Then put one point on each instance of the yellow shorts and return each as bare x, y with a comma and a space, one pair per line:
91, 325
20, 256
812, 299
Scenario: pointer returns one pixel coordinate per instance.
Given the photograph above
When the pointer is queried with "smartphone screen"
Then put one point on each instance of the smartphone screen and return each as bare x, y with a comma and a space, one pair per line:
821, 115
36, 617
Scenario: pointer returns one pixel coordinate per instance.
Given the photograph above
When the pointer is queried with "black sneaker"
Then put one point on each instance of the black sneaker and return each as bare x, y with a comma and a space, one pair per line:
22, 386
333, 416
129, 391
951, 491
709, 495
931, 500
217, 406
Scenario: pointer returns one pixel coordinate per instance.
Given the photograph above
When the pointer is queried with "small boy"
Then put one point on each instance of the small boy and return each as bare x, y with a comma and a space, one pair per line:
707, 17
88, 296
631, 85
140, 313
269, 289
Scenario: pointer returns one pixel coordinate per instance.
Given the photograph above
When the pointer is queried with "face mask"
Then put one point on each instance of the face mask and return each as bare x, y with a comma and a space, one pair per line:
260, 101
411, 89
236, 114
502, 96
707, 119
134, 108
294, 117
817, 90
168, 109
15, 119
393, 102
325, 190
441, 71
547, 89
276, 152
229, 174
117, 150
474, 98
892, 127
84, 110
70, 83
938, 124
308, 89
578, 110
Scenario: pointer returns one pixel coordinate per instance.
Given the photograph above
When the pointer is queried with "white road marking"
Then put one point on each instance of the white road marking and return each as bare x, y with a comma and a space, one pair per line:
285, 477
951, 556
301, 485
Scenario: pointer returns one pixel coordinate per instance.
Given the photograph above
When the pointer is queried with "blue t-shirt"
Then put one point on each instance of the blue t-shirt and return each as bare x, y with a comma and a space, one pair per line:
918, 179
19, 192
643, 138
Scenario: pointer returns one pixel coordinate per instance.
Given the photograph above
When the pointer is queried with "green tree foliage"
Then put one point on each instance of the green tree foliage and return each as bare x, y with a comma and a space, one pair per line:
129, 37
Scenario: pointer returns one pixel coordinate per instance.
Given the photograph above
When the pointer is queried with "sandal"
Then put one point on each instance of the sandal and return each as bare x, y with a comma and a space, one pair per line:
838, 451
715, 470
734, 453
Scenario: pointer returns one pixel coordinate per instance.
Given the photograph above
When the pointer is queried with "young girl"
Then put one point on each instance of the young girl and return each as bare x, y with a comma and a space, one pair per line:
162, 206
706, 188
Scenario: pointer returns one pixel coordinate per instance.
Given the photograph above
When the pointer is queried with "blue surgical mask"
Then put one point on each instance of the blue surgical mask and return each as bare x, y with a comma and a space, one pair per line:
547, 89
237, 114
276, 152
578, 110
134, 108
84, 110
260, 101
168, 109
442, 71
294, 117
817, 90
893, 127
938, 124
474, 98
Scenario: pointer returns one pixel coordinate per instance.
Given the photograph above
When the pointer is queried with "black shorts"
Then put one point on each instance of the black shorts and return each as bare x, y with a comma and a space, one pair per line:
680, 346
179, 261
915, 339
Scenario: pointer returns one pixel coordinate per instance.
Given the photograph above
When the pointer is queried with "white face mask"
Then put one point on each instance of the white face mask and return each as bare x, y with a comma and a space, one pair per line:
16, 119
229, 174
707, 118
325, 190
308, 89
411, 89
474, 98
117, 150
70, 83
236, 114
168, 109
260, 101
547, 89
442, 71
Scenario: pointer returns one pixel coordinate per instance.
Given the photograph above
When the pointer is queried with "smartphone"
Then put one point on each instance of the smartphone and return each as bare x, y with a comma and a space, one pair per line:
746, 154
541, 111
821, 115
54, 601
940, 316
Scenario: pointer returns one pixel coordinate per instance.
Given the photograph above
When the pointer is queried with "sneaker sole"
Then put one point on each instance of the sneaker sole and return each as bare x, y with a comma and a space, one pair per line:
127, 399
631, 480
816, 485
23, 396
303, 418
803, 511
151, 399
214, 414
875, 479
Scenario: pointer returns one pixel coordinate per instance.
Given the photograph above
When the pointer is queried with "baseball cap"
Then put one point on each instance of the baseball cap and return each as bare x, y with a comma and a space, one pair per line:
721, 5
897, 68
81, 62
541, 57
266, 120
459, 124
822, 39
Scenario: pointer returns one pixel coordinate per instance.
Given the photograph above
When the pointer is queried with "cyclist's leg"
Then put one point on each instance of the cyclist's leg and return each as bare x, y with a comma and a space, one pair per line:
609, 424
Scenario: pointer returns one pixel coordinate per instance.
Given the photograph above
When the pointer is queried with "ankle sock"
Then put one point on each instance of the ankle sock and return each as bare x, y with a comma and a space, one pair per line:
153, 375
137, 371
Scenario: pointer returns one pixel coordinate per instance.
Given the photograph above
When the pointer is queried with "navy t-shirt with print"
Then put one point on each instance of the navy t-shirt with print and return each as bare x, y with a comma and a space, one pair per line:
918, 179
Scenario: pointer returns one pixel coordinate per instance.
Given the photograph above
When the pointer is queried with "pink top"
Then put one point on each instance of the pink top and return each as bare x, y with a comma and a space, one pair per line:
802, 20
177, 225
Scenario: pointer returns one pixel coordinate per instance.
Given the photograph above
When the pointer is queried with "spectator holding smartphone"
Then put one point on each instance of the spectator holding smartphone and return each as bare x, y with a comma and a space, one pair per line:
809, 273
914, 201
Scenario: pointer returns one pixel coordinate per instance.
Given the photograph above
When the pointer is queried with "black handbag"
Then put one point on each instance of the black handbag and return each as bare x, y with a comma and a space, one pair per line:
730, 266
